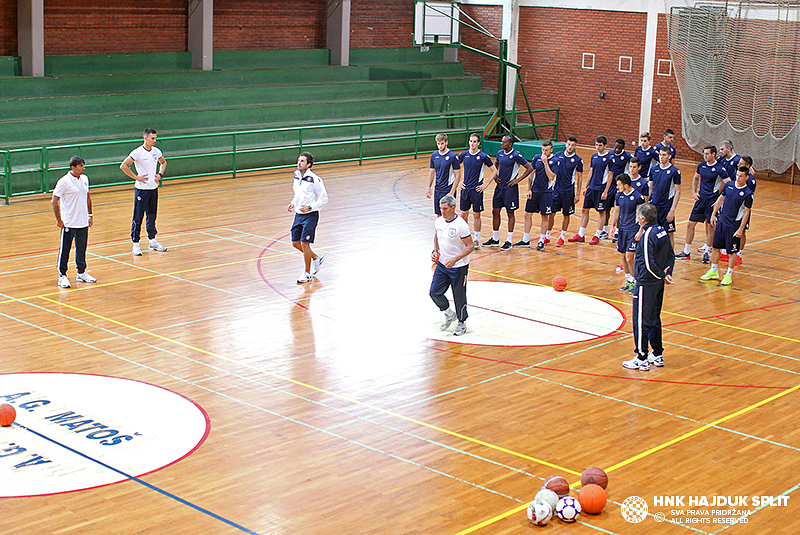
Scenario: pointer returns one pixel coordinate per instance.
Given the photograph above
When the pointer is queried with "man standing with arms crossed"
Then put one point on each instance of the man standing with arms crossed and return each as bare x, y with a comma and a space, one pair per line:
595, 195
474, 162
568, 168
145, 199
506, 194
654, 262
540, 195
452, 245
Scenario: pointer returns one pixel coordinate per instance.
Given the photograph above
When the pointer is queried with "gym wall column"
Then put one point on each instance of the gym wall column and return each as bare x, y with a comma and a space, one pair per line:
201, 34
30, 36
338, 32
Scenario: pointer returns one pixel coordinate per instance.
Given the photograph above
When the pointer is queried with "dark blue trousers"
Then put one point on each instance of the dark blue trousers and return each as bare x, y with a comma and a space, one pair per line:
444, 278
81, 237
145, 202
647, 301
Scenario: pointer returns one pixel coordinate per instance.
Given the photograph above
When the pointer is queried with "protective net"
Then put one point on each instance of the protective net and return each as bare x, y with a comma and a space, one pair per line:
738, 70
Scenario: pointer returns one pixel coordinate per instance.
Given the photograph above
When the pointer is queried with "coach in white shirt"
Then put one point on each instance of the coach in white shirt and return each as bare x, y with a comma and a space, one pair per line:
309, 196
72, 206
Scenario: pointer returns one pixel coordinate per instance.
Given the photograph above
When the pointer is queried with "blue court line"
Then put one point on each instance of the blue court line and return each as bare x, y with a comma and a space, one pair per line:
141, 482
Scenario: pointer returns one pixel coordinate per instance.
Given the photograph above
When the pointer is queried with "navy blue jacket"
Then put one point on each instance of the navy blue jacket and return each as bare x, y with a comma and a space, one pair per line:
654, 256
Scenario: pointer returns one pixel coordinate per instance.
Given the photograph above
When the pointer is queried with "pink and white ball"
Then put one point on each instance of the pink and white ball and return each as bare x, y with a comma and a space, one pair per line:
539, 512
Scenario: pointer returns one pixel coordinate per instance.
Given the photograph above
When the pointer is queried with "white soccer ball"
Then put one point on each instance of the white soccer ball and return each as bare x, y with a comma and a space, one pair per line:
568, 509
547, 496
539, 512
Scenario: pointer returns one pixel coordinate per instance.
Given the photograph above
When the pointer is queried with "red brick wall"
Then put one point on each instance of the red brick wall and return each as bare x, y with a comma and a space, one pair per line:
268, 25
381, 24
120, 27
491, 18
667, 113
8, 28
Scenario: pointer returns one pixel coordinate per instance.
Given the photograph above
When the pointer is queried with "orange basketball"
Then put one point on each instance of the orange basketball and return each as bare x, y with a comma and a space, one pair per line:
7, 414
557, 484
592, 499
594, 476
559, 283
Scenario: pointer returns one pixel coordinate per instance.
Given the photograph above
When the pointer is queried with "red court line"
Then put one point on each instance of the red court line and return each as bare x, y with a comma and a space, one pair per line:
731, 313
534, 367
593, 335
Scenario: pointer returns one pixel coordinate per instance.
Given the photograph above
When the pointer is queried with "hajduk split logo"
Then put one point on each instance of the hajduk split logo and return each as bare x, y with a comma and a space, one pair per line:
75, 432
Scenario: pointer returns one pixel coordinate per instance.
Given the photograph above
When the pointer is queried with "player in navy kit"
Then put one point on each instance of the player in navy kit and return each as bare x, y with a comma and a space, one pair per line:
746, 161
628, 200
569, 175
638, 181
669, 137
474, 163
646, 153
665, 191
506, 194
595, 195
654, 262
540, 195
706, 185
730, 214
728, 158
620, 160
446, 170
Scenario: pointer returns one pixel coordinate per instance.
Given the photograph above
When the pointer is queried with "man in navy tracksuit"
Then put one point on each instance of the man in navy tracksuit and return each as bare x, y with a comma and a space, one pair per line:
653, 266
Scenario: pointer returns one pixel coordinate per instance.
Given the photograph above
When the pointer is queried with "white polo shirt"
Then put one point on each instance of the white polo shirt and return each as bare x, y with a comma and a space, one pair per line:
450, 237
73, 192
146, 162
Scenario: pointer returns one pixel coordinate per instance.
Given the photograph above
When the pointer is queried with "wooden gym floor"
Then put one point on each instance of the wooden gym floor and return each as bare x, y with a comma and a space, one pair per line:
333, 411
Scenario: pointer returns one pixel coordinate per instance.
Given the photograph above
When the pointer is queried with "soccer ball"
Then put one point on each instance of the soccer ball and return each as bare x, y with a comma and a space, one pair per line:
547, 496
568, 509
539, 512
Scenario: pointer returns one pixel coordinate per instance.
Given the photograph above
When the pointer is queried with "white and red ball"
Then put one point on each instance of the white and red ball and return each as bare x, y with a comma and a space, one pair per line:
539, 512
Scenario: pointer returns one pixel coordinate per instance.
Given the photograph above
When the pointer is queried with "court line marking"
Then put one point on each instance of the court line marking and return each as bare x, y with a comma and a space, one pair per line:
140, 481
321, 390
769, 335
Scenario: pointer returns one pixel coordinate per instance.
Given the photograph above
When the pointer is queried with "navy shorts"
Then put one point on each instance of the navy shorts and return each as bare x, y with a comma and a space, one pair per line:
540, 201
626, 241
661, 217
305, 226
437, 198
724, 238
611, 198
702, 210
505, 197
593, 200
471, 199
564, 201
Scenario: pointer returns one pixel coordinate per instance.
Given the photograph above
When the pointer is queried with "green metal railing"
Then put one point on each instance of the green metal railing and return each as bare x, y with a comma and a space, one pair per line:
232, 147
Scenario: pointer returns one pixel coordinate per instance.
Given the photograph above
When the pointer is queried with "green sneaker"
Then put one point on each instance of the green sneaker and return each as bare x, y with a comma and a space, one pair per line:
710, 275
727, 280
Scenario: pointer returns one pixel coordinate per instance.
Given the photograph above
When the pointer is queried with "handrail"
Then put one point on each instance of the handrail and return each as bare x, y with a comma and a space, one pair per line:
237, 148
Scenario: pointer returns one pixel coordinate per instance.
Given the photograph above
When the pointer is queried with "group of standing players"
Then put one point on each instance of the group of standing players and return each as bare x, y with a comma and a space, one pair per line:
635, 195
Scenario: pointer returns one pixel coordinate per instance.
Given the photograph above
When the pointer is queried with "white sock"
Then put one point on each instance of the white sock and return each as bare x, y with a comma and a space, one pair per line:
605, 229
496, 235
581, 231
730, 271
714, 267
541, 238
510, 237
687, 248
547, 234
563, 234
477, 236
739, 254
597, 234
723, 251
629, 277
526, 236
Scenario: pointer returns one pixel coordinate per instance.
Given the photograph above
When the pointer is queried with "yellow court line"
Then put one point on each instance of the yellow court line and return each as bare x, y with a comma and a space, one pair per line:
322, 390
664, 311
643, 454
145, 277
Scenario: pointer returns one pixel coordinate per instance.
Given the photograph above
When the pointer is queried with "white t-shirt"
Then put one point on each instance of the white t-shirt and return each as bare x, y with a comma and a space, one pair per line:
146, 162
450, 236
73, 192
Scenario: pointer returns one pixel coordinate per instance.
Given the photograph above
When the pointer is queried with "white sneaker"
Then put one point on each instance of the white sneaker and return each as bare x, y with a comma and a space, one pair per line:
657, 361
155, 246
305, 277
461, 328
137, 251
85, 277
449, 317
63, 281
316, 263
637, 364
